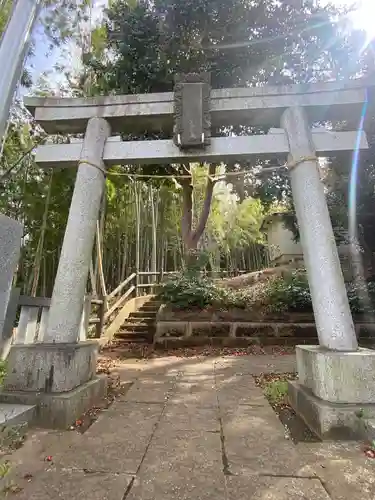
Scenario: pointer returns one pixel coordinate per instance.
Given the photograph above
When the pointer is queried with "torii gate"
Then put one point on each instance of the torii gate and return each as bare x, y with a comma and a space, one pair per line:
335, 372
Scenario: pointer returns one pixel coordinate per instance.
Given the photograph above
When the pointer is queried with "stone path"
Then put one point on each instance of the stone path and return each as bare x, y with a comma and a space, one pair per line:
189, 429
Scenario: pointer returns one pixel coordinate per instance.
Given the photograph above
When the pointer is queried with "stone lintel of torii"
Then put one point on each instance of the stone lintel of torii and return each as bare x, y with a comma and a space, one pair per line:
220, 149
257, 106
336, 372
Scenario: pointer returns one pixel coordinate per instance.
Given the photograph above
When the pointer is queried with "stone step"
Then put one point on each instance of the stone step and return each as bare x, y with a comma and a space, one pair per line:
141, 315
16, 414
141, 328
134, 337
148, 309
122, 342
140, 321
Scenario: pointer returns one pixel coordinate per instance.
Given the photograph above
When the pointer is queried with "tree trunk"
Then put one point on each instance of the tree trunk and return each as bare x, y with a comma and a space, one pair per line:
190, 236
137, 237
153, 229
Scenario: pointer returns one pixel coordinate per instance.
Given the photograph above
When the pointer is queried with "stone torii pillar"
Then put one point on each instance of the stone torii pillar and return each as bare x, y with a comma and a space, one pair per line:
333, 318
337, 377
71, 278
59, 374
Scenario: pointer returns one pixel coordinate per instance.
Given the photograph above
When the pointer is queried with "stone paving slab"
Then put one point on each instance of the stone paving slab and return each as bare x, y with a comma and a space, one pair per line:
193, 366
197, 378
207, 433
236, 390
181, 465
247, 487
149, 390
255, 365
184, 449
188, 417
74, 485
117, 442
184, 485
195, 393
151, 367
254, 441
332, 450
173, 365
346, 478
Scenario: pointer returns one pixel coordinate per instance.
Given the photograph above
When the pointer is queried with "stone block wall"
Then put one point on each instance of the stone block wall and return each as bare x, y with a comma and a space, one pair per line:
289, 332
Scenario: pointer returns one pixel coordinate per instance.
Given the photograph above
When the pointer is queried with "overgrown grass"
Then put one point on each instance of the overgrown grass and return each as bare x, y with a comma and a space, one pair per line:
276, 391
275, 387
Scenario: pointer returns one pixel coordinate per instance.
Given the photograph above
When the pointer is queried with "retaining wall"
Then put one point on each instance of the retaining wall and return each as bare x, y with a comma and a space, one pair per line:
241, 328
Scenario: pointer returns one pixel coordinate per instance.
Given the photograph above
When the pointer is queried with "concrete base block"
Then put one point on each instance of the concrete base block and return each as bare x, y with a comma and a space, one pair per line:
329, 420
50, 368
60, 410
336, 376
16, 415
367, 426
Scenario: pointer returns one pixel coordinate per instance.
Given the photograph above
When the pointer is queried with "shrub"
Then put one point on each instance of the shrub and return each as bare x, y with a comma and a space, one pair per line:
361, 298
190, 289
289, 293
292, 293
285, 293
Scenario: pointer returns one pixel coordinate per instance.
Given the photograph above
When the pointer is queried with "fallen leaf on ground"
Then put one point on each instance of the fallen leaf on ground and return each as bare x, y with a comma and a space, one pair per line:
122, 351
370, 453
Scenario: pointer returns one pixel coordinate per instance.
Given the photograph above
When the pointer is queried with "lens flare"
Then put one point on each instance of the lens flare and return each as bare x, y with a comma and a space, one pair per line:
353, 176
362, 16
355, 250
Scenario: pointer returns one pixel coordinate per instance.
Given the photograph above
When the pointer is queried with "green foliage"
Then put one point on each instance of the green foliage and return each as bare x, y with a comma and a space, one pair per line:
138, 47
188, 290
192, 288
3, 371
289, 293
240, 43
276, 391
5, 11
23, 196
292, 293
361, 297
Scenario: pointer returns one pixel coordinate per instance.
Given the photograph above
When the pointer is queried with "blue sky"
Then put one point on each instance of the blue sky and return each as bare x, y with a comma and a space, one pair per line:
44, 59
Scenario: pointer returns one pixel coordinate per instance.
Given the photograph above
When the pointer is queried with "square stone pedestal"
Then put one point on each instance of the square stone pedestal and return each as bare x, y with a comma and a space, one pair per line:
335, 390
59, 378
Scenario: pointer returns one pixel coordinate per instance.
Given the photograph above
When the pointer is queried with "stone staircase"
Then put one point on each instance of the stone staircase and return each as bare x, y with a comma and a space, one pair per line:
139, 327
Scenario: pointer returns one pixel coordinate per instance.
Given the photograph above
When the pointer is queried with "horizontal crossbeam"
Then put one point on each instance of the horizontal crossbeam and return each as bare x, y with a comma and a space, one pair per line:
257, 106
221, 149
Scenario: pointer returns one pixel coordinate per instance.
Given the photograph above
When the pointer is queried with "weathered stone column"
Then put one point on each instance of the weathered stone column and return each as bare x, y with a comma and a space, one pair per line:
330, 303
59, 374
71, 278
335, 379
